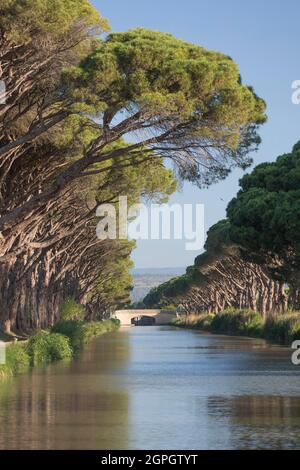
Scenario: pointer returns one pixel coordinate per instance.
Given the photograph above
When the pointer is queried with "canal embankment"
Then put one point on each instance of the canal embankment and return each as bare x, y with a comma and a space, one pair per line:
281, 329
62, 342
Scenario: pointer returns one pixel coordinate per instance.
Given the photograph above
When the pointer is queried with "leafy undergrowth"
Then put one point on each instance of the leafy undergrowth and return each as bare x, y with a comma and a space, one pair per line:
17, 360
284, 329
80, 332
64, 340
281, 329
46, 347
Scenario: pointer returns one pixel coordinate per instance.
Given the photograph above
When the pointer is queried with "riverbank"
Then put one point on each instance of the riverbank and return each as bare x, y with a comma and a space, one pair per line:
62, 342
283, 329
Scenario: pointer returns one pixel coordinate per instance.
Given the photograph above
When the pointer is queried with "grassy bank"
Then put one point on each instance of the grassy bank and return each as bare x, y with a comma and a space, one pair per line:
281, 329
63, 341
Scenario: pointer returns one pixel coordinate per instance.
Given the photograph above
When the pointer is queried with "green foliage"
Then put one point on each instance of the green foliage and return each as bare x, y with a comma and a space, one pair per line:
17, 360
143, 180
206, 321
80, 333
93, 329
73, 329
22, 17
169, 75
71, 310
283, 329
46, 347
171, 292
170, 307
217, 237
165, 82
148, 179
238, 322
166, 293
41, 348
201, 322
231, 322
265, 215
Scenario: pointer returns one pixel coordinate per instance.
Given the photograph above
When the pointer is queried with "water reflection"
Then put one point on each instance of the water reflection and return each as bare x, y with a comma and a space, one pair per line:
69, 406
160, 388
265, 422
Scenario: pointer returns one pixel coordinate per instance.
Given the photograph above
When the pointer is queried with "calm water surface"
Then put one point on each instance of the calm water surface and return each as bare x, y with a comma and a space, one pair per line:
159, 388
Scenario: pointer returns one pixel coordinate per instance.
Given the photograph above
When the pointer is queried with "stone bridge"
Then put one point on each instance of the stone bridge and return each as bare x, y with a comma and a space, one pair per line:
145, 317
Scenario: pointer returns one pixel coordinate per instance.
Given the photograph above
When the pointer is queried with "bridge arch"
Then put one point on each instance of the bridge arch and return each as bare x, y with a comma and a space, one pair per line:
161, 317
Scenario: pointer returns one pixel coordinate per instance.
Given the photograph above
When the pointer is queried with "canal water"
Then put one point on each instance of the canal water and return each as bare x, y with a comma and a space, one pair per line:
157, 388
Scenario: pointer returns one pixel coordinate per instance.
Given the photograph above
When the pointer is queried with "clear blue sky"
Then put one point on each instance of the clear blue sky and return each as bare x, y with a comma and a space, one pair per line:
263, 37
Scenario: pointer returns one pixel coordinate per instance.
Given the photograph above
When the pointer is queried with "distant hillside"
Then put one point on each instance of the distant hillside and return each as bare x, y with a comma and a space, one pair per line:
146, 278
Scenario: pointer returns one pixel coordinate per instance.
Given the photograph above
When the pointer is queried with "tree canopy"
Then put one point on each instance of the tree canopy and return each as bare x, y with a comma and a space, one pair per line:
86, 119
222, 278
185, 102
265, 215
255, 253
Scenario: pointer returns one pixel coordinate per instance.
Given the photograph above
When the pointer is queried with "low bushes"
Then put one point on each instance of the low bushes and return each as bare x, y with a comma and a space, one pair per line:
238, 322
80, 332
17, 360
46, 347
73, 330
282, 329
202, 322
42, 348
71, 310
93, 329
62, 342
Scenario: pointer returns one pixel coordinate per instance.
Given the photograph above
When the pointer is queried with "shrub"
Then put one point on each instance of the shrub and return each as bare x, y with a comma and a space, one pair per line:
200, 321
295, 332
205, 321
96, 328
46, 347
17, 360
71, 310
73, 330
238, 322
283, 329
80, 332
178, 322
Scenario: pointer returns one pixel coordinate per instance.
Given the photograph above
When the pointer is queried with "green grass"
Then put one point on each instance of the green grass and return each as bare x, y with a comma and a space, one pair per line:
283, 329
238, 322
46, 347
80, 332
17, 360
73, 330
201, 322
93, 329
65, 339
71, 310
